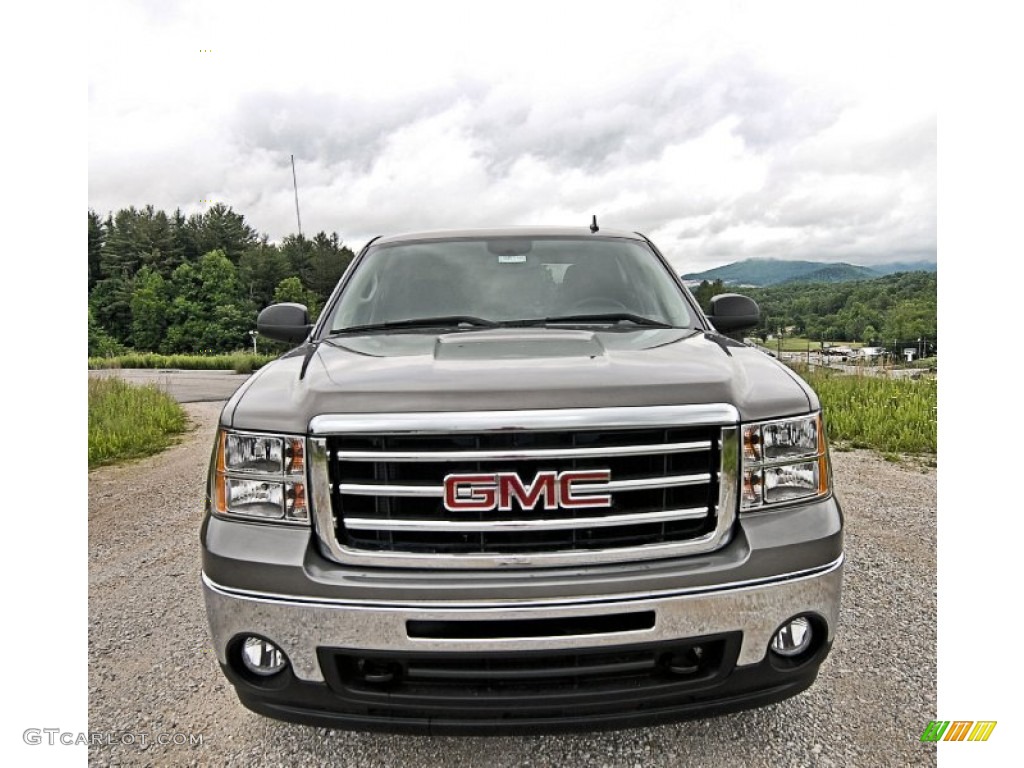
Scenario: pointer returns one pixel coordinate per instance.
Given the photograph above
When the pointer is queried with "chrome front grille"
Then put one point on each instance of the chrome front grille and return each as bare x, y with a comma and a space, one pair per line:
378, 485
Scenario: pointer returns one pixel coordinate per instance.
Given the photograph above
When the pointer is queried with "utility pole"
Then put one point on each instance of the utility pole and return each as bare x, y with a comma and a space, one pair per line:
295, 185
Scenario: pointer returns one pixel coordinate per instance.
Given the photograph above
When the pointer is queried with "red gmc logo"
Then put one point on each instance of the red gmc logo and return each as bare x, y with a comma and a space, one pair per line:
485, 492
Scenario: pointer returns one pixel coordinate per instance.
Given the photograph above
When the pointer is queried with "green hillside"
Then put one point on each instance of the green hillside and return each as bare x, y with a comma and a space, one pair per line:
764, 272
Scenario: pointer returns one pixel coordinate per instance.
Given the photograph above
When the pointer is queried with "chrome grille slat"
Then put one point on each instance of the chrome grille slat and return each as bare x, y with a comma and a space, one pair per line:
437, 491
602, 521
536, 453
377, 485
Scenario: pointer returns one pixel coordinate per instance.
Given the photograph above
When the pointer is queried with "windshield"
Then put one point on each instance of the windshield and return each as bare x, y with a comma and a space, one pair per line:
508, 280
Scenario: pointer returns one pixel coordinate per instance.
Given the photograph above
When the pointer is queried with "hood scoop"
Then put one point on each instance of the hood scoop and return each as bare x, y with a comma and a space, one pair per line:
517, 344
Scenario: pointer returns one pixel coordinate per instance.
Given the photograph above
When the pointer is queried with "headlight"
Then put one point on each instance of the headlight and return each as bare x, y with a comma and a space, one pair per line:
784, 460
259, 477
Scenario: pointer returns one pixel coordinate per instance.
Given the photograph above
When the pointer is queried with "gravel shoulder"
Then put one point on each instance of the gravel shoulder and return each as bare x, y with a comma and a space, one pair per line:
152, 672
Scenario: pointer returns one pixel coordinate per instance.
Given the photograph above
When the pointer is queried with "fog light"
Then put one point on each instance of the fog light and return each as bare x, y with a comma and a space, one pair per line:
262, 657
793, 637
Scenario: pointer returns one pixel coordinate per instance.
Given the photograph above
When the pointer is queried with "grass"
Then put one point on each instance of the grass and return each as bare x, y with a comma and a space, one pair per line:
891, 416
127, 421
799, 344
239, 362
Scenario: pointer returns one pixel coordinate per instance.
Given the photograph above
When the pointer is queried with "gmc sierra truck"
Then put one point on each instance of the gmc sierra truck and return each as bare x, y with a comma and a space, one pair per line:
516, 480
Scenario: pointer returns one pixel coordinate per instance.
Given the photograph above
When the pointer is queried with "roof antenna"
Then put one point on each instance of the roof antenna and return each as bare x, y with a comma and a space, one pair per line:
593, 224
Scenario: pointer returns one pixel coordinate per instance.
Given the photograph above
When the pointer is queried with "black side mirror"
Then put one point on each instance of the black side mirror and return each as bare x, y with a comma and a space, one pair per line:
733, 312
285, 322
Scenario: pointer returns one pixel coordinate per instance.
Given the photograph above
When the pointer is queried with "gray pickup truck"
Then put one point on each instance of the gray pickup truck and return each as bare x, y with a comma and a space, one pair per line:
516, 480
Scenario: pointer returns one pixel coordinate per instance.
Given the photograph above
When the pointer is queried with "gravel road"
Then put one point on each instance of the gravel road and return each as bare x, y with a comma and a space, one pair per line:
152, 674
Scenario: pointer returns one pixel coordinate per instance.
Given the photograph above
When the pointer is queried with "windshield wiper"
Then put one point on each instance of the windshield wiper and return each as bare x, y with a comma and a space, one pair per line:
608, 317
447, 321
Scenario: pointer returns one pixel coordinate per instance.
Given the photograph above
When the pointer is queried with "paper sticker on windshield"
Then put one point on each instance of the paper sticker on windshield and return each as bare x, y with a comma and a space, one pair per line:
518, 258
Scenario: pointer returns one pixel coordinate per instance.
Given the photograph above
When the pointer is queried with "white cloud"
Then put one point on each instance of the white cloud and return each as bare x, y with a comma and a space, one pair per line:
723, 131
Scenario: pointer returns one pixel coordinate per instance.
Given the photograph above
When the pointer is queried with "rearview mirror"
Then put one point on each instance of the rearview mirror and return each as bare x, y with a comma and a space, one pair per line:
285, 322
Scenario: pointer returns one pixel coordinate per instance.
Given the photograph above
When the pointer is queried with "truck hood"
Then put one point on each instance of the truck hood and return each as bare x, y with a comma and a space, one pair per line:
514, 369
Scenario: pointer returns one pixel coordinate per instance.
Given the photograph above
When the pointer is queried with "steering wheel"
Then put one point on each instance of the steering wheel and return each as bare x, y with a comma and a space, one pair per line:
598, 304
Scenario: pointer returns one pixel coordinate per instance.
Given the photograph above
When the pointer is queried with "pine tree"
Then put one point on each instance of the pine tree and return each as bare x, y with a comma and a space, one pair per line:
260, 270
96, 238
328, 261
221, 229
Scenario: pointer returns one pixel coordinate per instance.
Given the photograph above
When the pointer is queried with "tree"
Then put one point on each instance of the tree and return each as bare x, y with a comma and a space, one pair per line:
707, 291
159, 247
134, 238
96, 237
208, 312
297, 249
260, 270
122, 252
101, 343
221, 229
110, 302
291, 289
182, 237
150, 304
910, 319
328, 261
899, 306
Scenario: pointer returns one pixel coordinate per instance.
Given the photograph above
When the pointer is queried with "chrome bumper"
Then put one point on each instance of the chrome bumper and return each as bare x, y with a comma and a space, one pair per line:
299, 627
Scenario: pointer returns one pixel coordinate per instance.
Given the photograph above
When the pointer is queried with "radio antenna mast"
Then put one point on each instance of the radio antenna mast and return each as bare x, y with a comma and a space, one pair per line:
295, 185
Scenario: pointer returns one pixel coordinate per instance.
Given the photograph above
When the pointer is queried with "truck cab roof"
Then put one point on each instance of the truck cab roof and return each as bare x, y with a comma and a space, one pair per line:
524, 231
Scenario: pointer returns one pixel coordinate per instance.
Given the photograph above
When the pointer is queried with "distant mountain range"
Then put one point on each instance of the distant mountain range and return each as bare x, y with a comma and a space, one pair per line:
760, 272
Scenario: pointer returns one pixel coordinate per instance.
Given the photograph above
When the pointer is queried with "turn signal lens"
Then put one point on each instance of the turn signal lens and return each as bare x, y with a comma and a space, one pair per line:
752, 443
296, 456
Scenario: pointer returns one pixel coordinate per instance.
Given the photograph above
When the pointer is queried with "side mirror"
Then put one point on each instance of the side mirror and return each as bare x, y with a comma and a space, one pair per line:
733, 312
285, 322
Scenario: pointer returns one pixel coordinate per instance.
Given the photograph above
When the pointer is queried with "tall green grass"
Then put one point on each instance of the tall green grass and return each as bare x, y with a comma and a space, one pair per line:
888, 415
801, 344
239, 362
127, 421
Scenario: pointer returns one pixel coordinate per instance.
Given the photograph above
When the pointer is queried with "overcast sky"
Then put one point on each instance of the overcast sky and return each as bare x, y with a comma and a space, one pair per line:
722, 130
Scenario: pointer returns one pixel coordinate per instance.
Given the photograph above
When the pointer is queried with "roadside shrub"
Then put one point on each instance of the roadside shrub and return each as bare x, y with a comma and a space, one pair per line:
101, 343
239, 362
128, 421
